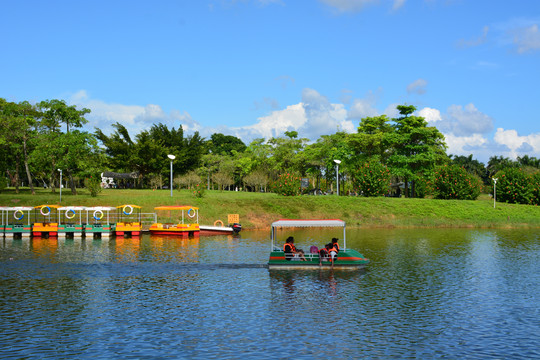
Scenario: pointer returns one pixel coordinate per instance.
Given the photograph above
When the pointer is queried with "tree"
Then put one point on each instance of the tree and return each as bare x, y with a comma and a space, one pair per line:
371, 178
222, 178
497, 163
372, 138
19, 129
256, 179
454, 182
515, 186
471, 165
416, 147
285, 151
55, 113
118, 148
225, 144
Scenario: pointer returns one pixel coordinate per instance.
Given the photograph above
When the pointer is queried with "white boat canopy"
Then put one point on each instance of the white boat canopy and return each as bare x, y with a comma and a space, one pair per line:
308, 223
291, 223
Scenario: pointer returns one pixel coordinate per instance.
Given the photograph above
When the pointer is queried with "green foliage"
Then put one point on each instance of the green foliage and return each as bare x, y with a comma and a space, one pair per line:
536, 189
515, 186
472, 166
415, 147
287, 185
93, 184
225, 144
454, 182
3, 183
371, 178
199, 191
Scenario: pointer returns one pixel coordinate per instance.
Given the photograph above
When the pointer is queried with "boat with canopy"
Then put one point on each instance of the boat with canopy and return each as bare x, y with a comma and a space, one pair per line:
346, 259
186, 223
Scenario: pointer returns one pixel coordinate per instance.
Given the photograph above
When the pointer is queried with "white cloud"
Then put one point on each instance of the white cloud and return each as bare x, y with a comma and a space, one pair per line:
417, 87
348, 5
477, 41
134, 117
465, 121
518, 145
431, 115
527, 39
464, 145
362, 108
285, 81
314, 116
398, 4
520, 33
275, 124
465, 129
391, 110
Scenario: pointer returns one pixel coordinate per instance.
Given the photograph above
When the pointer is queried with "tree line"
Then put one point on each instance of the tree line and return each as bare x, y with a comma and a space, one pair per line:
386, 156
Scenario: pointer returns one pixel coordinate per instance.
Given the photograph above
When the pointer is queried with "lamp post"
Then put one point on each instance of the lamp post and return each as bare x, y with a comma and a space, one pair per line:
172, 157
494, 191
337, 175
60, 184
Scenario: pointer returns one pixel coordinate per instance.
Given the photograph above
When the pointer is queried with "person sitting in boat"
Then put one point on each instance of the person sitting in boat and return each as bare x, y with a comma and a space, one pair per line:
291, 252
335, 244
323, 253
333, 250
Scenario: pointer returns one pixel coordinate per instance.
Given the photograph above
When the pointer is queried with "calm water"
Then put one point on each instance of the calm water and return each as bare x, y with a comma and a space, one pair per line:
427, 294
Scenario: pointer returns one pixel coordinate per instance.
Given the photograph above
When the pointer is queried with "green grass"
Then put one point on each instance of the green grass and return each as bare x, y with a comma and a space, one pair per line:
258, 210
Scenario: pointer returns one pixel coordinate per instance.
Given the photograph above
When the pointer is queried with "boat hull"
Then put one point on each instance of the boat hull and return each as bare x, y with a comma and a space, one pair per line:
217, 230
174, 229
347, 260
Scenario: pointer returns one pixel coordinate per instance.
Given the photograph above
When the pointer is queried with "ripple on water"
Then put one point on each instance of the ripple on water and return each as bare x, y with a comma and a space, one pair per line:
434, 294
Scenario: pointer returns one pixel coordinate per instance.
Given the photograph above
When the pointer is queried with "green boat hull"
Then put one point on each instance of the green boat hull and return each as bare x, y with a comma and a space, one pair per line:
347, 259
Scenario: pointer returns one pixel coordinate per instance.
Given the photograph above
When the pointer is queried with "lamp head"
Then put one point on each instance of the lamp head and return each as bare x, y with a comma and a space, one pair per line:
172, 157
337, 161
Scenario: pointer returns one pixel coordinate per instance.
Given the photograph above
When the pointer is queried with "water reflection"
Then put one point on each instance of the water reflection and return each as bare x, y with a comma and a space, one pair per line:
426, 294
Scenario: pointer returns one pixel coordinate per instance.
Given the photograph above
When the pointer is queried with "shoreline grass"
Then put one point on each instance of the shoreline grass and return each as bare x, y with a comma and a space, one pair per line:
259, 210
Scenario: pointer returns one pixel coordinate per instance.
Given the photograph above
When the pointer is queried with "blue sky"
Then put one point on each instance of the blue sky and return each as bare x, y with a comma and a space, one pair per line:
258, 68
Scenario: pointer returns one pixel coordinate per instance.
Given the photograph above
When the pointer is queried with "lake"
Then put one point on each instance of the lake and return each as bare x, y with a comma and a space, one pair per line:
427, 293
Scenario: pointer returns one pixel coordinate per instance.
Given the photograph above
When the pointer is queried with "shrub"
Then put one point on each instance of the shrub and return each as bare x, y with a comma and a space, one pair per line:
371, 179
199, 191
515, 186
93, 184
454, 182
536, 189
3, 183
287, 185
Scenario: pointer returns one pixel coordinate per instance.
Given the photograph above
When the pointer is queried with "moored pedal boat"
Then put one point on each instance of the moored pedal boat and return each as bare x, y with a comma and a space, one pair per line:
187, 224
128, 220
347, 258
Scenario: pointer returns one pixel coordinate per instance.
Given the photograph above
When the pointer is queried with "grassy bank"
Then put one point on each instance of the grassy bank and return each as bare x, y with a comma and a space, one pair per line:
258, 210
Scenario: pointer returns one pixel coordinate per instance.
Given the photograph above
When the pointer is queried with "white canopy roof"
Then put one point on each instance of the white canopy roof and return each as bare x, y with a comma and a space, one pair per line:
309, 223
74, 208
102, 208
290, 223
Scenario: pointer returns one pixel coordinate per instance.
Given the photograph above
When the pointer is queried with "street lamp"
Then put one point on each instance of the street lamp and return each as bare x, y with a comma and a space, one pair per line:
60, 184
494, 191
172, 157
337, 175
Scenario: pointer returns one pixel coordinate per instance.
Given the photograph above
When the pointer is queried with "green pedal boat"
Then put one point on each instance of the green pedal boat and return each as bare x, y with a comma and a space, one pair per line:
280, 260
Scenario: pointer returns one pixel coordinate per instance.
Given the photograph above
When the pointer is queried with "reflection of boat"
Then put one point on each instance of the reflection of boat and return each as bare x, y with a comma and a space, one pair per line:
347, 258
188, 222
